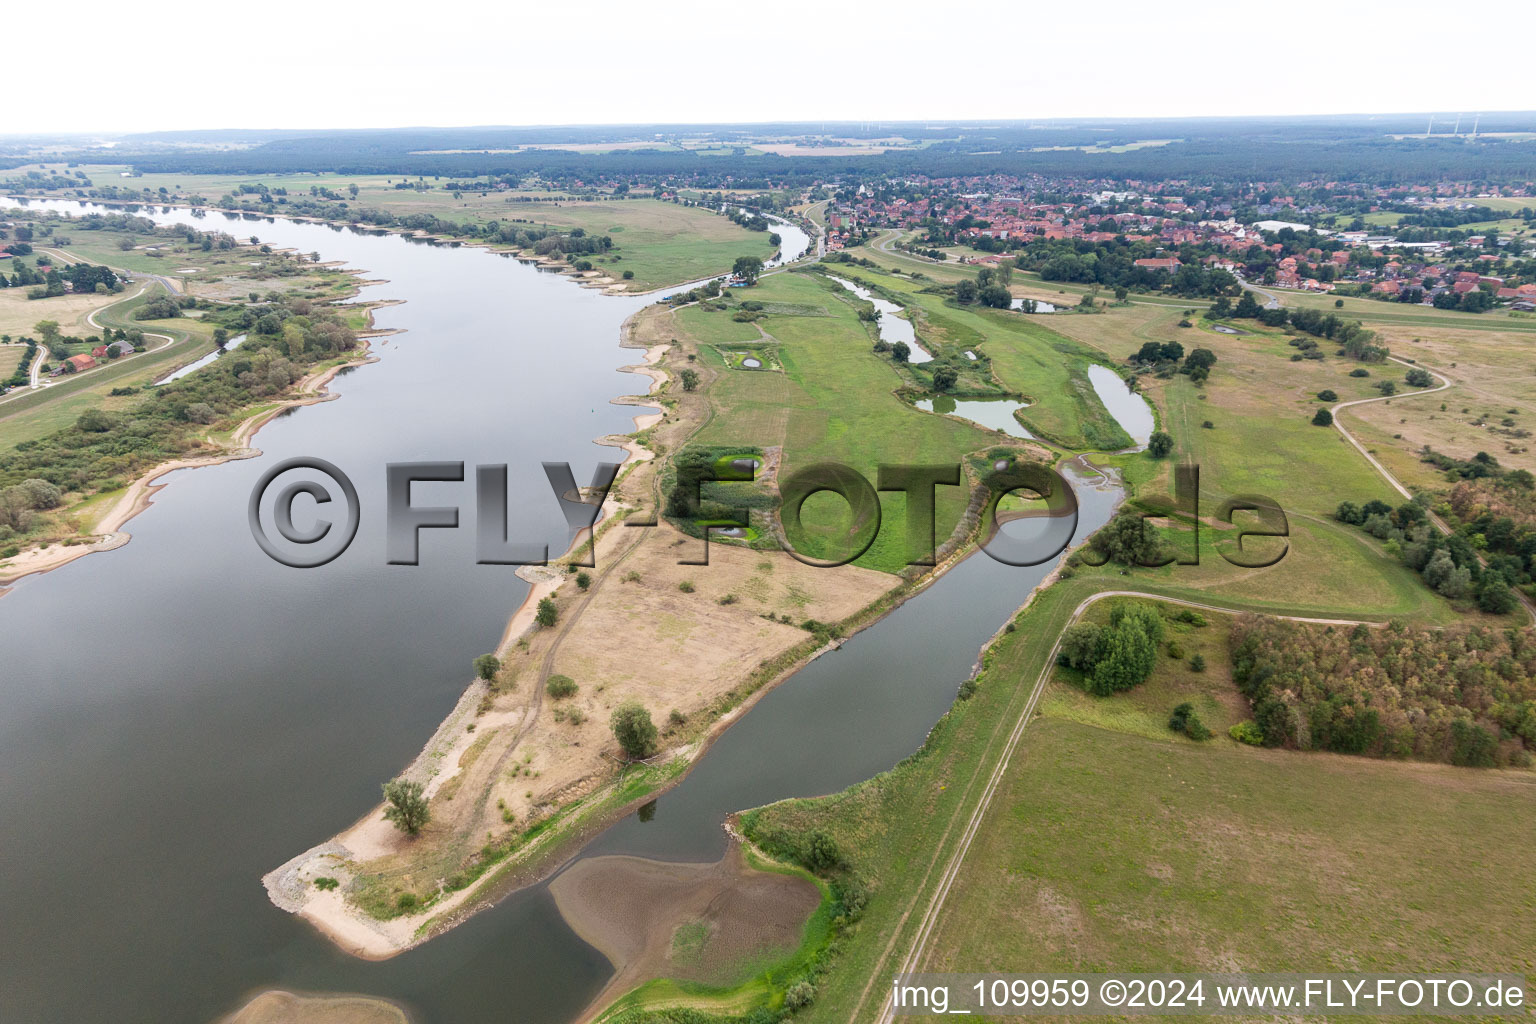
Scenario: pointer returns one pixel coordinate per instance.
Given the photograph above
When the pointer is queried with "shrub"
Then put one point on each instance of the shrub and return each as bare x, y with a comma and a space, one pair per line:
800, 995
559, 686
1359, 371
1160, 444
633, 728
1185, 720
686, 586
325, 883
1247, 732
547, 614
1197, 663
1322, 418
486, 666
1175, 650
583, 580
1327, 395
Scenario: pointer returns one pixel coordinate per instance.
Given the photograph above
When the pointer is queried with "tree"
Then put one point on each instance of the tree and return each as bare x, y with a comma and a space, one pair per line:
965, 292
1199, 359
547, 613
1322, 418
900, 351
1160, 444
1129, 650
1494, 596
1418, 378
690, 379
633, 728
748, 268
49, 329
1126, 540
486, 666
407, 807
1081, 645
944, 378
583, 579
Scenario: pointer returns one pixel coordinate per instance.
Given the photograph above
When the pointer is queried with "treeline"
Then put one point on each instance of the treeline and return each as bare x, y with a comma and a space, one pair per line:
1218, 156
546, 241
1113, 265
1463, 695
103, 450
1449, 564
1353, 338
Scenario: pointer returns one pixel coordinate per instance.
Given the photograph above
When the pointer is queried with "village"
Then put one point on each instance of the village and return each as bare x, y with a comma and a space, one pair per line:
1326, 247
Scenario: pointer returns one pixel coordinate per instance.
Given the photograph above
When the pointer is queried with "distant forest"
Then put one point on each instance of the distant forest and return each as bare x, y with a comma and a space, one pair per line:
1203, 150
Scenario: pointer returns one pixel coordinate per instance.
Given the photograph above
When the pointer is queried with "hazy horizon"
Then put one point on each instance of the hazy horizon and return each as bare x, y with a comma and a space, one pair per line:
318, 67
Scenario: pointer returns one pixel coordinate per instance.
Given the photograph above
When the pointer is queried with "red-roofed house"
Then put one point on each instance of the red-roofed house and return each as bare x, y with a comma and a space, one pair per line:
1170, 264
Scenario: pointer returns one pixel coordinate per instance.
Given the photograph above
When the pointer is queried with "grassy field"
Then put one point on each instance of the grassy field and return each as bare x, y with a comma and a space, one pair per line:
1114, 844
835, 400
1110, 850
1048, 368
10, 358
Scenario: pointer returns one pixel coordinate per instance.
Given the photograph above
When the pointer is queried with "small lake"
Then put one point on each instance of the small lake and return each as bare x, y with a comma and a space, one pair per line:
1041, 306
1126, 406
994, 413
892, 326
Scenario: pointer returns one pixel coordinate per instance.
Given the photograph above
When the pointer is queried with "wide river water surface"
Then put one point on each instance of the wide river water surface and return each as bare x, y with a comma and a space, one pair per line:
183, 714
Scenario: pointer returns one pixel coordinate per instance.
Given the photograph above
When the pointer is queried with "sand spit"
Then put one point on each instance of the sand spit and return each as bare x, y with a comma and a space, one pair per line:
692, 922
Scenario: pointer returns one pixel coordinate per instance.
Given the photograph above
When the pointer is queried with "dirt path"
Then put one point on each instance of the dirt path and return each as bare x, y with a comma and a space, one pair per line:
1440, 524
929, 920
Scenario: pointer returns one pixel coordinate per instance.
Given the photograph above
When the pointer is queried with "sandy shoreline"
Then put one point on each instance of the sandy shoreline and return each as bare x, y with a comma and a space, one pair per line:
290, 886
139, 494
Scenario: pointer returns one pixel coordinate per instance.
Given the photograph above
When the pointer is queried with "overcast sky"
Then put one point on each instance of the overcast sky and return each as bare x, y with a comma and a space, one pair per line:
120, 66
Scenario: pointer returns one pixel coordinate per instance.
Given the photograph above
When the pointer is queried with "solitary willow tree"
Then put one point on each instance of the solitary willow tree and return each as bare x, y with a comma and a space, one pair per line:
407, 807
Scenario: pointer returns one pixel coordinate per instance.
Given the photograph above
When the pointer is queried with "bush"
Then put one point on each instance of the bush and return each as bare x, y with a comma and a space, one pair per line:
325, 883
1197, 663
486, 666
560, 687
583, 580
1160, 444
686, 586
1247, 732
800, 995
1359, 371
1322, 418
1327, 395
547, 614
633, 728
1185, 720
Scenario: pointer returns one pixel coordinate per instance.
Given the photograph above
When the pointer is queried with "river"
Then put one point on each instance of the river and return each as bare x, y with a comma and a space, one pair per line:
183, 714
